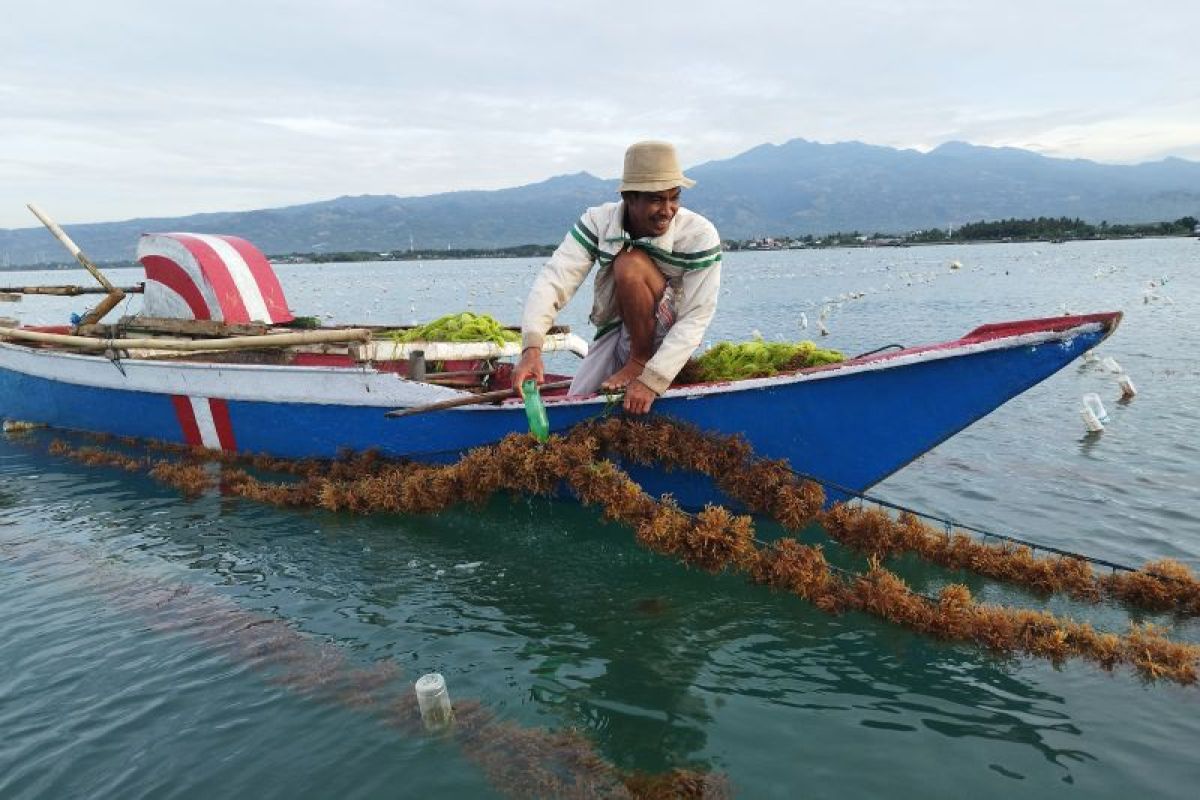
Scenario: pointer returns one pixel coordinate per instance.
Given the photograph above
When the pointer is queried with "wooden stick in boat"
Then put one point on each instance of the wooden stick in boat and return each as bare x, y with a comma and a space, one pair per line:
458, 374
475, 399
115, 295
232, 343
205, 328
72, 248
68, 291
106, 305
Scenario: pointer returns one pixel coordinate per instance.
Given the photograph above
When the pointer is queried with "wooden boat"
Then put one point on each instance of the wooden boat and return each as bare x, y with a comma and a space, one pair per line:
225, 379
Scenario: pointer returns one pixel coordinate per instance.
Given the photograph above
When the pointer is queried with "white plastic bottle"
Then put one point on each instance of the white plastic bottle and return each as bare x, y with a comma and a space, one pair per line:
1094, 415
434, 701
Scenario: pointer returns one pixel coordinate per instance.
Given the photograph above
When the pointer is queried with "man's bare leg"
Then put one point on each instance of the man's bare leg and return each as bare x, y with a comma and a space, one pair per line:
639, 287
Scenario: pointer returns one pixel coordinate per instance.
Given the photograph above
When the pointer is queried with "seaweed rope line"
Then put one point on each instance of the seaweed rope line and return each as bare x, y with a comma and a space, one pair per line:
879, 535
713, 540
951, 525
1186, 581
956, 552
1041, 575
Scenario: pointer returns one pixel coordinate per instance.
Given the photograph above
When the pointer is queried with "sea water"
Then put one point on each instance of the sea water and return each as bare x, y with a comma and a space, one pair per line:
159, 647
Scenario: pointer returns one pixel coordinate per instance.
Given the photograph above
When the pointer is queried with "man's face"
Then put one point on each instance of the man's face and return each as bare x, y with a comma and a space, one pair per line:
650, 213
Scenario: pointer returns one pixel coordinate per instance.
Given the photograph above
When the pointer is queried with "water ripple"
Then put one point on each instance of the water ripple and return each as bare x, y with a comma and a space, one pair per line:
161, 648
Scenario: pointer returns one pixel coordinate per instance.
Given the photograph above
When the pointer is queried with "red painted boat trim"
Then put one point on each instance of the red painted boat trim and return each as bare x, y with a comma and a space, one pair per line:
217, 273
264, 277
174, 277
64, 329
187, 419
218, 409
221, 421
996, 330
330, 360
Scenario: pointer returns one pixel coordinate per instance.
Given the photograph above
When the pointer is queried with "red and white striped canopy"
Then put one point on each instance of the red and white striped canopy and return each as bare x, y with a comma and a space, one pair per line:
202, 276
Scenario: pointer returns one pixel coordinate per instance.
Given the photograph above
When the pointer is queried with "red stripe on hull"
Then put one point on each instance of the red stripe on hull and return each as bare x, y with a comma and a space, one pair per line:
221, 421
187, 420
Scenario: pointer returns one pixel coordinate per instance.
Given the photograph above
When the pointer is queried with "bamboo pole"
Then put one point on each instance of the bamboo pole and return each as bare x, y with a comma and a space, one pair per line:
106, 305
115, 295
232, 343
72, 248
68, 291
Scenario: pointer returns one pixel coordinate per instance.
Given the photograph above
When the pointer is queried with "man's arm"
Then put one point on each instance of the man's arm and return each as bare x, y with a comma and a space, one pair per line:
554, 287
694, 309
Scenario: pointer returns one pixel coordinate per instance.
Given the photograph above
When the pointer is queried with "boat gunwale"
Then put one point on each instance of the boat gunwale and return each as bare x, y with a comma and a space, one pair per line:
1051, 329
986, 338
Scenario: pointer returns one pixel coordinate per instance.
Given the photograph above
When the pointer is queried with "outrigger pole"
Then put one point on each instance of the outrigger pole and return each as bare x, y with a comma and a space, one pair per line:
114, 294
68, 291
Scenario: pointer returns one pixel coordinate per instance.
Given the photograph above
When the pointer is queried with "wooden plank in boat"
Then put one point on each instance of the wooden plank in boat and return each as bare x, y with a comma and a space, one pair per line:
192, 327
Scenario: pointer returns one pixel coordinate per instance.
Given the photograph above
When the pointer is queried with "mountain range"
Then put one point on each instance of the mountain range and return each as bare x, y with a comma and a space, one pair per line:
790, 189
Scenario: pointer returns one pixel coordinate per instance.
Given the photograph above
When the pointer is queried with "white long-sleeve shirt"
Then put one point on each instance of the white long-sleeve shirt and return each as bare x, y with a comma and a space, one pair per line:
688, 255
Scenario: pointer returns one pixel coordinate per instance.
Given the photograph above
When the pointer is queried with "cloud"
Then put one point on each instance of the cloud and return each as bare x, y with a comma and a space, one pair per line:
133, 107
313, 126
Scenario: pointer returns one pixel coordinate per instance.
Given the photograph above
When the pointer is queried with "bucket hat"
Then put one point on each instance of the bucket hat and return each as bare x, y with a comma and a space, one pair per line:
652, 167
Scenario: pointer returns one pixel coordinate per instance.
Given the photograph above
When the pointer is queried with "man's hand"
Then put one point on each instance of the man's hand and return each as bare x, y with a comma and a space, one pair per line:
530, 366
623, 377
638, 397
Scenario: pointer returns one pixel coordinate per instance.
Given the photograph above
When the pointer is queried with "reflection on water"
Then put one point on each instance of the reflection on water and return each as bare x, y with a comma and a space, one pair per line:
554, 620
647, 677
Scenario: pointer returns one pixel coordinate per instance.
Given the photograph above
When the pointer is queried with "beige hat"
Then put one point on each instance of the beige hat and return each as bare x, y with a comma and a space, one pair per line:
652, 167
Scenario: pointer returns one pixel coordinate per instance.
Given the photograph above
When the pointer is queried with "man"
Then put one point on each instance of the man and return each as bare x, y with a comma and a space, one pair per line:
656, 289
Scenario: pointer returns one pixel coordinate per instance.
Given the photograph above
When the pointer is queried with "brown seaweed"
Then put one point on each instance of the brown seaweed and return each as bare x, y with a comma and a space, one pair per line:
716, 540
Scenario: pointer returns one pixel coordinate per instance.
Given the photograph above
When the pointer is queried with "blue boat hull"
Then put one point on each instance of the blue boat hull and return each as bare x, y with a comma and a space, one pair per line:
851, 426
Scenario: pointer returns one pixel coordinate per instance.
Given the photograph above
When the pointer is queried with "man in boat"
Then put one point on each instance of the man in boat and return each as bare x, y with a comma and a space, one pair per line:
655, 291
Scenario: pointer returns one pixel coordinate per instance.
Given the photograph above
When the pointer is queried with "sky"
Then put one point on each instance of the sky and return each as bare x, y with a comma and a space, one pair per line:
133, 108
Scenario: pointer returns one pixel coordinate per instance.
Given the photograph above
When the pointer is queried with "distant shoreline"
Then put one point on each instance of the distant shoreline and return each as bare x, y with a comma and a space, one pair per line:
544, 251
870, 245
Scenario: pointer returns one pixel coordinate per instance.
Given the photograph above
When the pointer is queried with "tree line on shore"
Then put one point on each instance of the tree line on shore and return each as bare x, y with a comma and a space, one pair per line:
1052, 229
1049, 229
1064, 228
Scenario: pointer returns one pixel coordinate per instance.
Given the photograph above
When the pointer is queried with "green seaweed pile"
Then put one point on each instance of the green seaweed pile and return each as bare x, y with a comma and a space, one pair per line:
464, 326
727, 361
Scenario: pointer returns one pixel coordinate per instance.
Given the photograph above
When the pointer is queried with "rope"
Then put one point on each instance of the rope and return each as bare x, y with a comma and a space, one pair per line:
950, 525
878, 350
